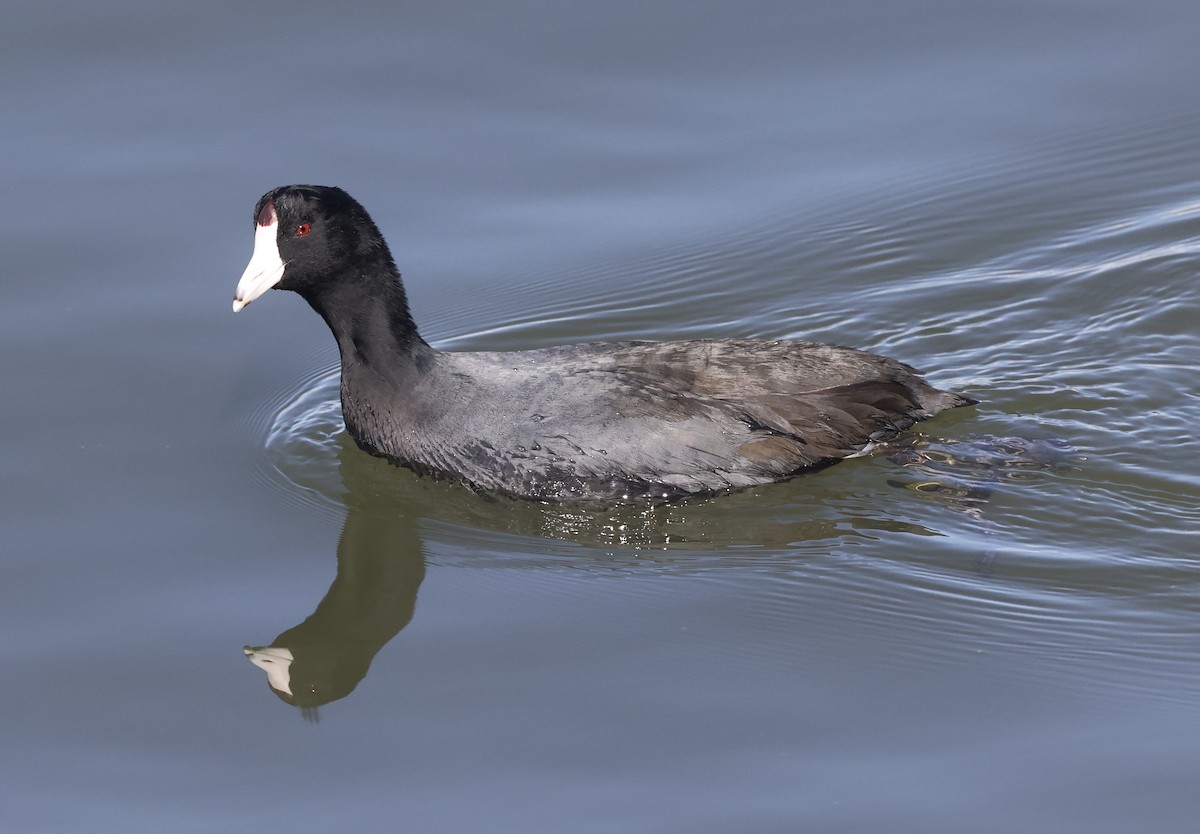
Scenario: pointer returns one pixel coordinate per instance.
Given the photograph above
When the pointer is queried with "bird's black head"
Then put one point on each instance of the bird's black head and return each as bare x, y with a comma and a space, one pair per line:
307, 238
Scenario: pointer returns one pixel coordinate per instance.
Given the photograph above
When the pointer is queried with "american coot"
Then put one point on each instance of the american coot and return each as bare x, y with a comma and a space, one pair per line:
601, 423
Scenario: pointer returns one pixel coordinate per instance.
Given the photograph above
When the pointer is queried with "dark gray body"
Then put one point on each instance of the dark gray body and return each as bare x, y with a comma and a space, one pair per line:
634, 421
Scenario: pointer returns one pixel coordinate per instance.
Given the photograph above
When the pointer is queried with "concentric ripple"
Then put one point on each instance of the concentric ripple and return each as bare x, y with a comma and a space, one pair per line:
300, 436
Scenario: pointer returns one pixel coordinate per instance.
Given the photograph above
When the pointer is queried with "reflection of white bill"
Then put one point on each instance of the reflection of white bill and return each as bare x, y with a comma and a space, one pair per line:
276, 662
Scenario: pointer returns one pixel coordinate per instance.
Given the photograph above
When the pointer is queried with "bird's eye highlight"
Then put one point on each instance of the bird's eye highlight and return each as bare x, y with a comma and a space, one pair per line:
303, 229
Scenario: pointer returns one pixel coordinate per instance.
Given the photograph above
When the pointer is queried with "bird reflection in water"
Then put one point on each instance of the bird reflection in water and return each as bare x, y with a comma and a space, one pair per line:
379, 569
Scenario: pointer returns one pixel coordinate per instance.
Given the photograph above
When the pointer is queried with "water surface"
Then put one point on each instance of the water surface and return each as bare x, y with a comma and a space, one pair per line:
989, 627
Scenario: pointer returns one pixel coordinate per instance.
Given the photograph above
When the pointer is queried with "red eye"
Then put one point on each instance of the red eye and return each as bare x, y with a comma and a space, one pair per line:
303, 229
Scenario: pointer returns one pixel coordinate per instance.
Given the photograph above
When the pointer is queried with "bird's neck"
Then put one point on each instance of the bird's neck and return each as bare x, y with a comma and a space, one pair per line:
369, 317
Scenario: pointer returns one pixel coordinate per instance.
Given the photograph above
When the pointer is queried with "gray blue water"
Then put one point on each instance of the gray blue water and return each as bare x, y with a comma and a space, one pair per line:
989, 627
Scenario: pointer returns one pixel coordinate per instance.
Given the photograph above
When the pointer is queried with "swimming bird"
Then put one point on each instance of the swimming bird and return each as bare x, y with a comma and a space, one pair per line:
630, 422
